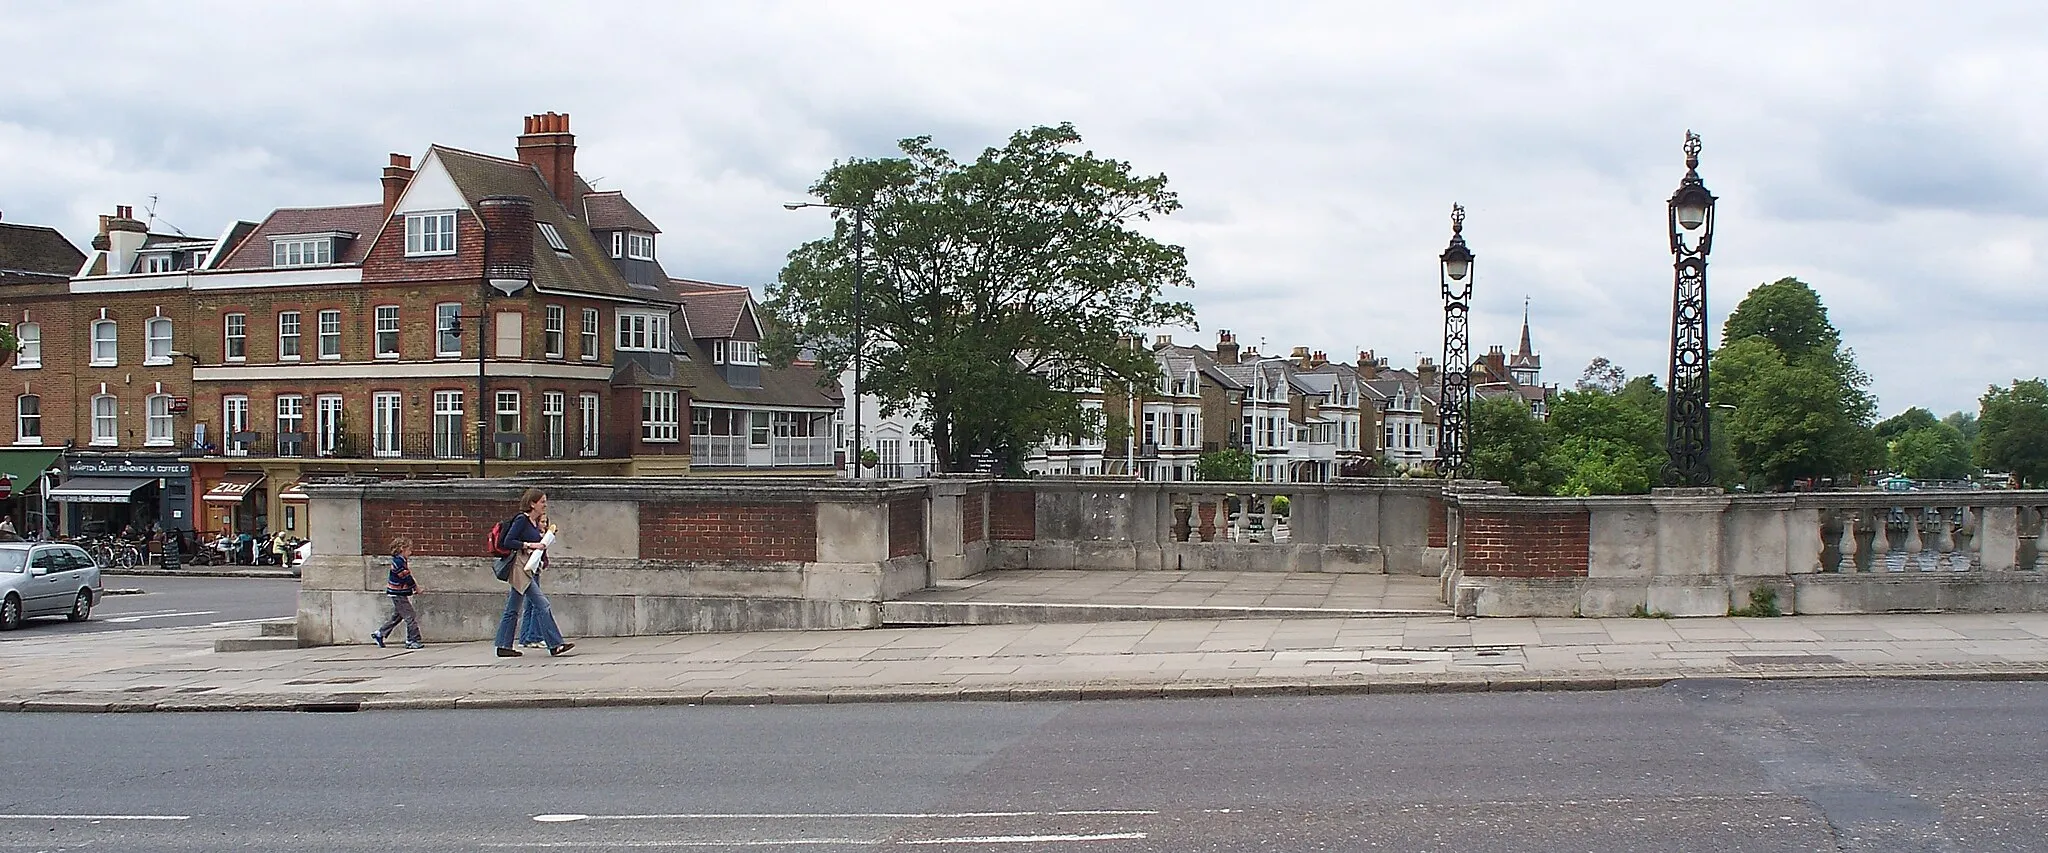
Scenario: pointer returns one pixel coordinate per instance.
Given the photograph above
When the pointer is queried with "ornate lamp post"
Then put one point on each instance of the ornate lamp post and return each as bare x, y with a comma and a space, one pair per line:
1454, 271
859, 313
1691, 221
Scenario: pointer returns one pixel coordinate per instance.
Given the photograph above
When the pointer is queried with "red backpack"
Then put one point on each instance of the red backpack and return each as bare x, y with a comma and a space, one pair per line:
496, 547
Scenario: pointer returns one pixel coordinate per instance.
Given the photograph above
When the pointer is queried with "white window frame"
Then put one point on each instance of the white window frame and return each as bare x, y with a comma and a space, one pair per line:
618, 244
554, 422
639, 246
554, 337
589, 334
156, 348
106, 421
302, 253
743, 352
445, 319
29, 356
430, 234
158, 424
588, 425
382, 313
234, 327
554, 237
451, 423
157, 262
507, 407
759, 429
327, 417
111, 341
387, 412
658, 417
718, 351
28, 426
641, 331
290, 330
291, 417
234, 418
329, 335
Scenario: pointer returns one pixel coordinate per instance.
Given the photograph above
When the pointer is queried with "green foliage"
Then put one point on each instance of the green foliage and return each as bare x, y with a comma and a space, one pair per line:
1604, 444
1904, 422
8, 342
1935, 452
2013, 432
1800, 408
1280, 505
1224, 465
1763, 601
1602, 375
983, 283
1509, 446
1965, 423
1642, 612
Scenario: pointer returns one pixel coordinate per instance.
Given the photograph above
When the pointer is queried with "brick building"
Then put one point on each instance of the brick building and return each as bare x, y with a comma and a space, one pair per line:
36, 264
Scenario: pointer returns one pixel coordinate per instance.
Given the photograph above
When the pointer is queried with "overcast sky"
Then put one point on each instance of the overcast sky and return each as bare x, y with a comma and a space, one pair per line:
1891, 154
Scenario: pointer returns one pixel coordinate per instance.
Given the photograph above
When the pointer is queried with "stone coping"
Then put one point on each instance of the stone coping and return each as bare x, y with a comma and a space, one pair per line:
632, 489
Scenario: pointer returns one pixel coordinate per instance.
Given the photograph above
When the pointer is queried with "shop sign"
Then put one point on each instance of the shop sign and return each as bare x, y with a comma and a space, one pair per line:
126, 468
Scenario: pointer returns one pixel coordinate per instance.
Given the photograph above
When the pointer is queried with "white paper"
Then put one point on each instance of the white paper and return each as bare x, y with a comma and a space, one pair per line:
533, 557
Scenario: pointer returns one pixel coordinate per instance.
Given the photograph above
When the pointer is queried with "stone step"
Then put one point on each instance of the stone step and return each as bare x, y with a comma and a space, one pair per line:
937, 613
255, 644
283, 628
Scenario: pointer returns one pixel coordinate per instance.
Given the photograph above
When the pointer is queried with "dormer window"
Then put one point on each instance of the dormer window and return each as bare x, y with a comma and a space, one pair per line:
642, 331
743, 352
554, 237
301, 252
430, 234
158, 263
639, 247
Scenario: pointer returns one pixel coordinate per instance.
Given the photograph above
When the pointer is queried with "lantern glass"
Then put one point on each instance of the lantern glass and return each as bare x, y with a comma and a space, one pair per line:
1457, 268
1691, 215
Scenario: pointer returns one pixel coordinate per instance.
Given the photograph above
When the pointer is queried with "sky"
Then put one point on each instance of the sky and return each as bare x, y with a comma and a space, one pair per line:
1890, 154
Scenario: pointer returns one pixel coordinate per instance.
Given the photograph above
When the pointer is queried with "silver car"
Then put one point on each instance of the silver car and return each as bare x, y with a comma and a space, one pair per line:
46, 579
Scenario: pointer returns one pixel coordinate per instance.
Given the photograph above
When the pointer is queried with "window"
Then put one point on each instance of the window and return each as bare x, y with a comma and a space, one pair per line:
327, 424
159, 263
718, 351
448, 329
586, 417
658, 416
30, 353
552, 422
744, 352
234, 421
384, 409
554, 238
758, 429
509, 328
104, 350
618, 244
508, 423
429, 234
551, 332
387, 331
639, 247
1151, 435
642, 332
237, 331
448, 425
589, 352
301, 253
291, 420
157, 341
105, 422
28, 419
330, 334
159, 425
287, 336
197, 261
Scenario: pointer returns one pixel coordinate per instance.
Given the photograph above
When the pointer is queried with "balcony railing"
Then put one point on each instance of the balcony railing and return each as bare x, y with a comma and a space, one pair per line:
420, 445
717, 451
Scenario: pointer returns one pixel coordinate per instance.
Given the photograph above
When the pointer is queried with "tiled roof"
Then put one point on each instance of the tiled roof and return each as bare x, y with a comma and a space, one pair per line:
363, 220
610, 210
36, 250
586, 269
794, 386
715, 309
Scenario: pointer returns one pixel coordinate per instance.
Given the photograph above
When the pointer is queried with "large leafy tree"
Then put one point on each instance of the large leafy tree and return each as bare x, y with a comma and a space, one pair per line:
2013, 431
986, 284
1921, 447
1510, 446
1799, 404
1604, 444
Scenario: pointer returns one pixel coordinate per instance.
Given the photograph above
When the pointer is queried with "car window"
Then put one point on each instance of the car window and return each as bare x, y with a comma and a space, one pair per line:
12, 561
47, 559
77, 559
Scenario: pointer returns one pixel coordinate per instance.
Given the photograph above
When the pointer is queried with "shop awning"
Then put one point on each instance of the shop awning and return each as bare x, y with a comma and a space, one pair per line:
233, 488
98, 490
293, 494
20, 468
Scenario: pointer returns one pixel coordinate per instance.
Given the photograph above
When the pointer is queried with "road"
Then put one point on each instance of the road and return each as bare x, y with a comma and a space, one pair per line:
1896, 766
172, 602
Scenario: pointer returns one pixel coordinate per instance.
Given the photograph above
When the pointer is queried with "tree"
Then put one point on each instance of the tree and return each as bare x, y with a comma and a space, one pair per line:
1602, 375
2013, 431
1224, 465
1935, 452
8, 342
1604, 444
1904, 422
1965, 423
1510, 446
986, 284
1799, 405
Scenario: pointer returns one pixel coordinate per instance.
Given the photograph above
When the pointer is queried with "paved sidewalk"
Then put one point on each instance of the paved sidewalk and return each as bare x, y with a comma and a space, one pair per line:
174, 669
190, 571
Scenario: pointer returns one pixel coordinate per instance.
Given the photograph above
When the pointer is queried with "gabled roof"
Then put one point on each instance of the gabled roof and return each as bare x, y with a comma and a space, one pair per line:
1181, 359
609, 210
362, 220
793, 386
716, 310
586, 269
36, 251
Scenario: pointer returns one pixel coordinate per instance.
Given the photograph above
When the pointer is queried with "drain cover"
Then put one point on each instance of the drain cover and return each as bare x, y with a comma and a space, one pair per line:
1781, 660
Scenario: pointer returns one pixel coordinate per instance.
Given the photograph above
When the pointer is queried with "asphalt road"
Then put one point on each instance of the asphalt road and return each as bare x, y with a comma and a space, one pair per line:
170, 602
1698, 766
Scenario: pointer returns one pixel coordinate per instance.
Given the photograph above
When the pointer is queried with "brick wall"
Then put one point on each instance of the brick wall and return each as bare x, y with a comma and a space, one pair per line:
906, 527
1438, 536
973, 516
437, 528
1013, 516
1525, 544
779, 532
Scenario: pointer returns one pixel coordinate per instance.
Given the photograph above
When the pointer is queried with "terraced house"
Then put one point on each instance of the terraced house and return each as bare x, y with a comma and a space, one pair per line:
489, 315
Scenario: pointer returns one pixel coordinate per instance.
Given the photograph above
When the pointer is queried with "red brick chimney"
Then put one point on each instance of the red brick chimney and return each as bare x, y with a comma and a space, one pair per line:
1318, 358
549, 147
1368, 366
508, 239
1226, 347
396, 177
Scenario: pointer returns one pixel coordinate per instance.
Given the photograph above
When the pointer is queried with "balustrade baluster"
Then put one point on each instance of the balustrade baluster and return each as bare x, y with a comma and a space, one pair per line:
1944, 540
1831, 541
1914, 542
1968, 521
1854, 555
2031, 522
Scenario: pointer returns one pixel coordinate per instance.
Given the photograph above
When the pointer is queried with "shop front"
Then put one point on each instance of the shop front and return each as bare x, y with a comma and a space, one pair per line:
23, 487
238, 504
103, 494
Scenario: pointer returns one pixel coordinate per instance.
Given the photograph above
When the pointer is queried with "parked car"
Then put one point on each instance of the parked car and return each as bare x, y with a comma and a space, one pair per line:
46, 579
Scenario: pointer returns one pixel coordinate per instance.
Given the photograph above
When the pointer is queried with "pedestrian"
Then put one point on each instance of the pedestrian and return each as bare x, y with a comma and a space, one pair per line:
529, 621
524, 538
400, 587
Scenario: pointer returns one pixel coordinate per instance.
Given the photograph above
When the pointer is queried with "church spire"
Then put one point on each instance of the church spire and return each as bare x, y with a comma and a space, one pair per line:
1525, 351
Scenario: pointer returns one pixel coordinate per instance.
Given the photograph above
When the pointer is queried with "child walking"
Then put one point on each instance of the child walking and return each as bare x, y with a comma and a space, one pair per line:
400, 587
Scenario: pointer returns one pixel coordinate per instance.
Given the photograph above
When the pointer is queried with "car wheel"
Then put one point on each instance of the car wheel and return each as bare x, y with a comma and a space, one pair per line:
10, 613
81, 609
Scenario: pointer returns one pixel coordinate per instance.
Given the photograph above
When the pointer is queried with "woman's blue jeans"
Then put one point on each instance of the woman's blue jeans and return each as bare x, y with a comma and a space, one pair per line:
529, 622
543, 616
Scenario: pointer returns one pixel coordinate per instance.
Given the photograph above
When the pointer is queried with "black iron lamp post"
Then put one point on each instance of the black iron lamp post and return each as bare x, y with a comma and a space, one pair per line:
1686, 429
1454, 271
859, 312
482, 385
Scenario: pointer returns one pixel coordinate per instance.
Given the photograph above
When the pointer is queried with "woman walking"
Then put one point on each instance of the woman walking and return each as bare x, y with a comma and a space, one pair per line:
523, 537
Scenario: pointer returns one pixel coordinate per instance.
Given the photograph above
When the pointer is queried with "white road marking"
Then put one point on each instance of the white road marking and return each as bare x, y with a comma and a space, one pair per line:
127, 619
567, 818
95, 817
863, 842
1028, 839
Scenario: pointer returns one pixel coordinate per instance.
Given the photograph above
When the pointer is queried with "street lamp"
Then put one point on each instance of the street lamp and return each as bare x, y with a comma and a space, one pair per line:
859, 311
1690, 217
1454, 272
454, 328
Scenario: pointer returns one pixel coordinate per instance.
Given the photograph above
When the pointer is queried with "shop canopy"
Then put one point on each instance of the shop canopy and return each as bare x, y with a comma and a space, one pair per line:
20, 468
294, 493
99, 490
233, 488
